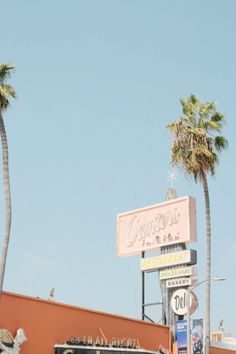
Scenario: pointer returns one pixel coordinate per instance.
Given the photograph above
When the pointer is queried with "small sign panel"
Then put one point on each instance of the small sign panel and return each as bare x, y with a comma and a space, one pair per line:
178, 282
197, 337
177, 272
168, 260
150, 228
181, 334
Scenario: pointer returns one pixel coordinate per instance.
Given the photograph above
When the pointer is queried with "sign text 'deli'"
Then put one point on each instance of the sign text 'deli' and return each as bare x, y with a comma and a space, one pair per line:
148, 229
179, 304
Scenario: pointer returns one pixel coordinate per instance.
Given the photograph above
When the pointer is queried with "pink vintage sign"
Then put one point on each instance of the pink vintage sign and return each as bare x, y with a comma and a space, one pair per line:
149, 228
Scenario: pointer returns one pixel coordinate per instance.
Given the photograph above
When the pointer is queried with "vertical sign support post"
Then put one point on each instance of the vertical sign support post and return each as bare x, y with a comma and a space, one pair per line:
189, 349
143, 291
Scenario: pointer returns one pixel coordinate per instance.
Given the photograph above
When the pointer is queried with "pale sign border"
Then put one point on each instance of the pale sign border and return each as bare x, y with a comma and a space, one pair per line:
148, 217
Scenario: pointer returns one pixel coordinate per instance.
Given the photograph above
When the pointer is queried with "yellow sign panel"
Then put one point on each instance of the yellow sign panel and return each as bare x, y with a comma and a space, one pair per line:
169, 260
177, 272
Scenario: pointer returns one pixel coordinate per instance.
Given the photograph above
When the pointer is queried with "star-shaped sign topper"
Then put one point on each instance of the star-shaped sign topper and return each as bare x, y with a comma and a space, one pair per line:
171, 177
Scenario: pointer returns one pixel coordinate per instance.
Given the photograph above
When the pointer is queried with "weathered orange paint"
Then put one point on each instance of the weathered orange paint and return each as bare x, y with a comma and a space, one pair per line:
215, 350
47, 323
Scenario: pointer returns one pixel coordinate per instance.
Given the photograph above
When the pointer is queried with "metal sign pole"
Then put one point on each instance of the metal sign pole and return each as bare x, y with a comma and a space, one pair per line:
143, 291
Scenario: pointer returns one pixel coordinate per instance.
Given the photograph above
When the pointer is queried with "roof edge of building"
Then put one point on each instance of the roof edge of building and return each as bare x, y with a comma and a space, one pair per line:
61, 304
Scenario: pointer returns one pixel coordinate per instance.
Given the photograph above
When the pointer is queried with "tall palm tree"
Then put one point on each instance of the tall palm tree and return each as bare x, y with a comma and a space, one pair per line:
6, 92
195, 148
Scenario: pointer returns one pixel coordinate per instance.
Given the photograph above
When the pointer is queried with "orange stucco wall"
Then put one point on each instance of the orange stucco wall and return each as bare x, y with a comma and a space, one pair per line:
215, 350
47, 323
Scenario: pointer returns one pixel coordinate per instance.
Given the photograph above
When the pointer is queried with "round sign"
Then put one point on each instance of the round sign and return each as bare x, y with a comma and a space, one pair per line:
179, 302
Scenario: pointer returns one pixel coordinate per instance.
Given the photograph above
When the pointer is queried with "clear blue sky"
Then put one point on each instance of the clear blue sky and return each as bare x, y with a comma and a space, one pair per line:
97, 83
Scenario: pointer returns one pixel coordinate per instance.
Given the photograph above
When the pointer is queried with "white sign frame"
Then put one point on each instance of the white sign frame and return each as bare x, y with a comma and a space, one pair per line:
178, 282
177, 272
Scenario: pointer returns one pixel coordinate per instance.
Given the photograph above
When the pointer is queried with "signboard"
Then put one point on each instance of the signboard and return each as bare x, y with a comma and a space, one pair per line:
168, 260
178, 282
177, 272
181, 334
197, 337
75, 349
149, 228
179, 304
102, 342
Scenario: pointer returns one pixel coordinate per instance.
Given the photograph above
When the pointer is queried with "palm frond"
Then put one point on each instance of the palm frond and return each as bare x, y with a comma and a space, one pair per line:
197, 131
203, 149
5, 71
220, 143
193, 99
211, 125
217, 117
7, 91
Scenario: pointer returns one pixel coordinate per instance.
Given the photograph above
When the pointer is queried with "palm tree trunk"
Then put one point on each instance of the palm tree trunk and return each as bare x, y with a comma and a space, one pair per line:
6, 188
208, 265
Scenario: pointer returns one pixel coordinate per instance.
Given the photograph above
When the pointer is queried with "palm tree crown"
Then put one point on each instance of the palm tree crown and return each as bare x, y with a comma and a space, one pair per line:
6, 91
195, 145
